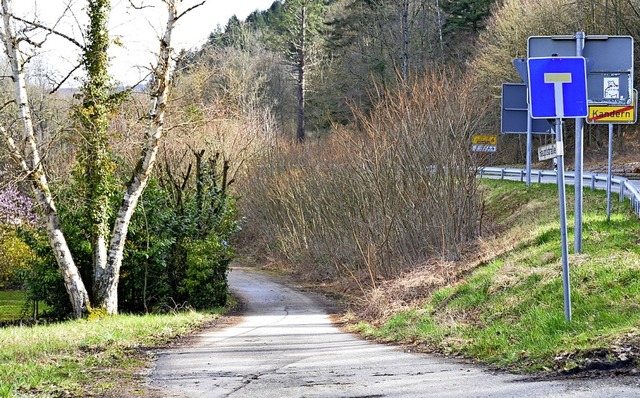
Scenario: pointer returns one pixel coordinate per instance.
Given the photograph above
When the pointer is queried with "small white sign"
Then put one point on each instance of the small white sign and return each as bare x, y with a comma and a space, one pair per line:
547, 152
484, 148
611, 87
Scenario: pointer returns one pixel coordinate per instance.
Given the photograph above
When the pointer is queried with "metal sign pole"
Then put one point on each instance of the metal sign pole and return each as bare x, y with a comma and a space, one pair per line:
563, 222
610, 161
529, 147
564, 80
578, 164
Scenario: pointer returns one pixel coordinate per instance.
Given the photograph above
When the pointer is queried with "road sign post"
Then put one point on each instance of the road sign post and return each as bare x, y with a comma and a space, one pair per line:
529, 147
610, 82
558, 89
609, 161
563, 222
578, 165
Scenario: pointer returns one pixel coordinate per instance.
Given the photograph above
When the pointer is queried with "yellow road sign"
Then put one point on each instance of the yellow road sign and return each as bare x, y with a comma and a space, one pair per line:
491, 140
611, 114
617, 114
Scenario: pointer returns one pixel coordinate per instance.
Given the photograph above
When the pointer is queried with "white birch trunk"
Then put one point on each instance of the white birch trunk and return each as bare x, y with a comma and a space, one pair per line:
107, 287
100, 264
28, 161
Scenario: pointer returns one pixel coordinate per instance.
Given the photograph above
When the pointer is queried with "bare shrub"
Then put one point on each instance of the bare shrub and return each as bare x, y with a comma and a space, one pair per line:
219, 107
373, 200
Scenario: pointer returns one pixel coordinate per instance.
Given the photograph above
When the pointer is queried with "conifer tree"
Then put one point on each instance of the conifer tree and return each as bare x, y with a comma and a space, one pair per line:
299, 38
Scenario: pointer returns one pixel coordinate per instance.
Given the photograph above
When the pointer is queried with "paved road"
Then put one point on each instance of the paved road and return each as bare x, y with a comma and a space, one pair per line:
286, 346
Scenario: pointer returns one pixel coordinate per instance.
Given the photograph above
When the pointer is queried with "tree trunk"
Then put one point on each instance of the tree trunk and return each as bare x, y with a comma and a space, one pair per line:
107, 287
30, 164
405, 40
440, 38
301, 73
93, 119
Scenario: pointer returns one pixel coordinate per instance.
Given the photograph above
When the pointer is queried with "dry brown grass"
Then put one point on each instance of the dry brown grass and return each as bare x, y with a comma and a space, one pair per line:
413, 288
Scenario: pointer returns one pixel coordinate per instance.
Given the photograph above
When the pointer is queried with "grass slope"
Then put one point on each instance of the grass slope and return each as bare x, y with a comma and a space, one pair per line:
509, 312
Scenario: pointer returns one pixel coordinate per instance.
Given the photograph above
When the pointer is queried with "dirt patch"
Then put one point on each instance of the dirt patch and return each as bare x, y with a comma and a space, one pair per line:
622, 357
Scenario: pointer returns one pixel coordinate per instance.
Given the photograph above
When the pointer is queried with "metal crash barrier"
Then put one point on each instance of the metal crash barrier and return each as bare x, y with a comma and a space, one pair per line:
623, 186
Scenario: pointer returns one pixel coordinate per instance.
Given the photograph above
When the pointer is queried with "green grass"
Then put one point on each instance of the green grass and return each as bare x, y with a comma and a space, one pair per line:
510, 312
14, 306
11, 304
84, 358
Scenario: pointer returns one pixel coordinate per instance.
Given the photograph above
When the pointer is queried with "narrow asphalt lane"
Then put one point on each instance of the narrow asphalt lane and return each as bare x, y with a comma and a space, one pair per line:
286, 346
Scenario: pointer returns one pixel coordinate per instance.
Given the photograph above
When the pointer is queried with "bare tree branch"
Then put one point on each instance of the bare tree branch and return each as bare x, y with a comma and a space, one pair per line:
57, 87
6, 104
190, 9
50, 30
140, 7
141, 80
15, 152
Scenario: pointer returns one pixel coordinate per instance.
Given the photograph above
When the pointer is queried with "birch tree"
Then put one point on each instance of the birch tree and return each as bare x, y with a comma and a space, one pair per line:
27, 157
92, 117
108, 241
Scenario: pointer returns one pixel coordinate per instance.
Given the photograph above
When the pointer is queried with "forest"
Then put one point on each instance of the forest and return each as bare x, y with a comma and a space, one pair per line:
332, 136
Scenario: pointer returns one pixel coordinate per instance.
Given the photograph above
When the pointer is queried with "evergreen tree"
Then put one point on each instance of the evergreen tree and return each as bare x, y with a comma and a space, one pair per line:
262, 20
298, 37
466, 15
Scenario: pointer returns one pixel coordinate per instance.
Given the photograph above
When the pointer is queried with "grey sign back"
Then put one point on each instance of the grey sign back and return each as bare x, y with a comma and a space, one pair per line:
609, 64
515, 111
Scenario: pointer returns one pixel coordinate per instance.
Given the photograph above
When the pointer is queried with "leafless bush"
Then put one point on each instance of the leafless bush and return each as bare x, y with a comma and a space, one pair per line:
373, 200
219, 107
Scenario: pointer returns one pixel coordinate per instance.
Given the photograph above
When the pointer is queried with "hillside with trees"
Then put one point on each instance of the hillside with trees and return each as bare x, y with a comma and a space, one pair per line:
333, 136
393, 96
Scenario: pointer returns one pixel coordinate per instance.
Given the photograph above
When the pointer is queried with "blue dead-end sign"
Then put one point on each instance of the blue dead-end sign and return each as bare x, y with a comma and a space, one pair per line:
557, 87
610, 63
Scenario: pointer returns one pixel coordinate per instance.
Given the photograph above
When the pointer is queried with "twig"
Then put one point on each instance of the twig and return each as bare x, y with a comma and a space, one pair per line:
65, 79
50, 30
190, 9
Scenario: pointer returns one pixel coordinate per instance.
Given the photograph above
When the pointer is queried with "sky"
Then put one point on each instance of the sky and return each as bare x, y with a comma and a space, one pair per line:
137, 30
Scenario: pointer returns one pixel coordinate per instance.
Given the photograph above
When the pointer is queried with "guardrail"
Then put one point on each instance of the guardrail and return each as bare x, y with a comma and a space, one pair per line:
623, 186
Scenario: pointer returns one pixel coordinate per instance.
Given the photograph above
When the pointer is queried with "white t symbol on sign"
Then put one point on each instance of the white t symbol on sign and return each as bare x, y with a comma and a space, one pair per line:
558, 79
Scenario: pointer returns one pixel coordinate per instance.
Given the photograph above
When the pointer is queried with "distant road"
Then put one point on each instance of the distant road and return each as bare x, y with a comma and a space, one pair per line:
287, 346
